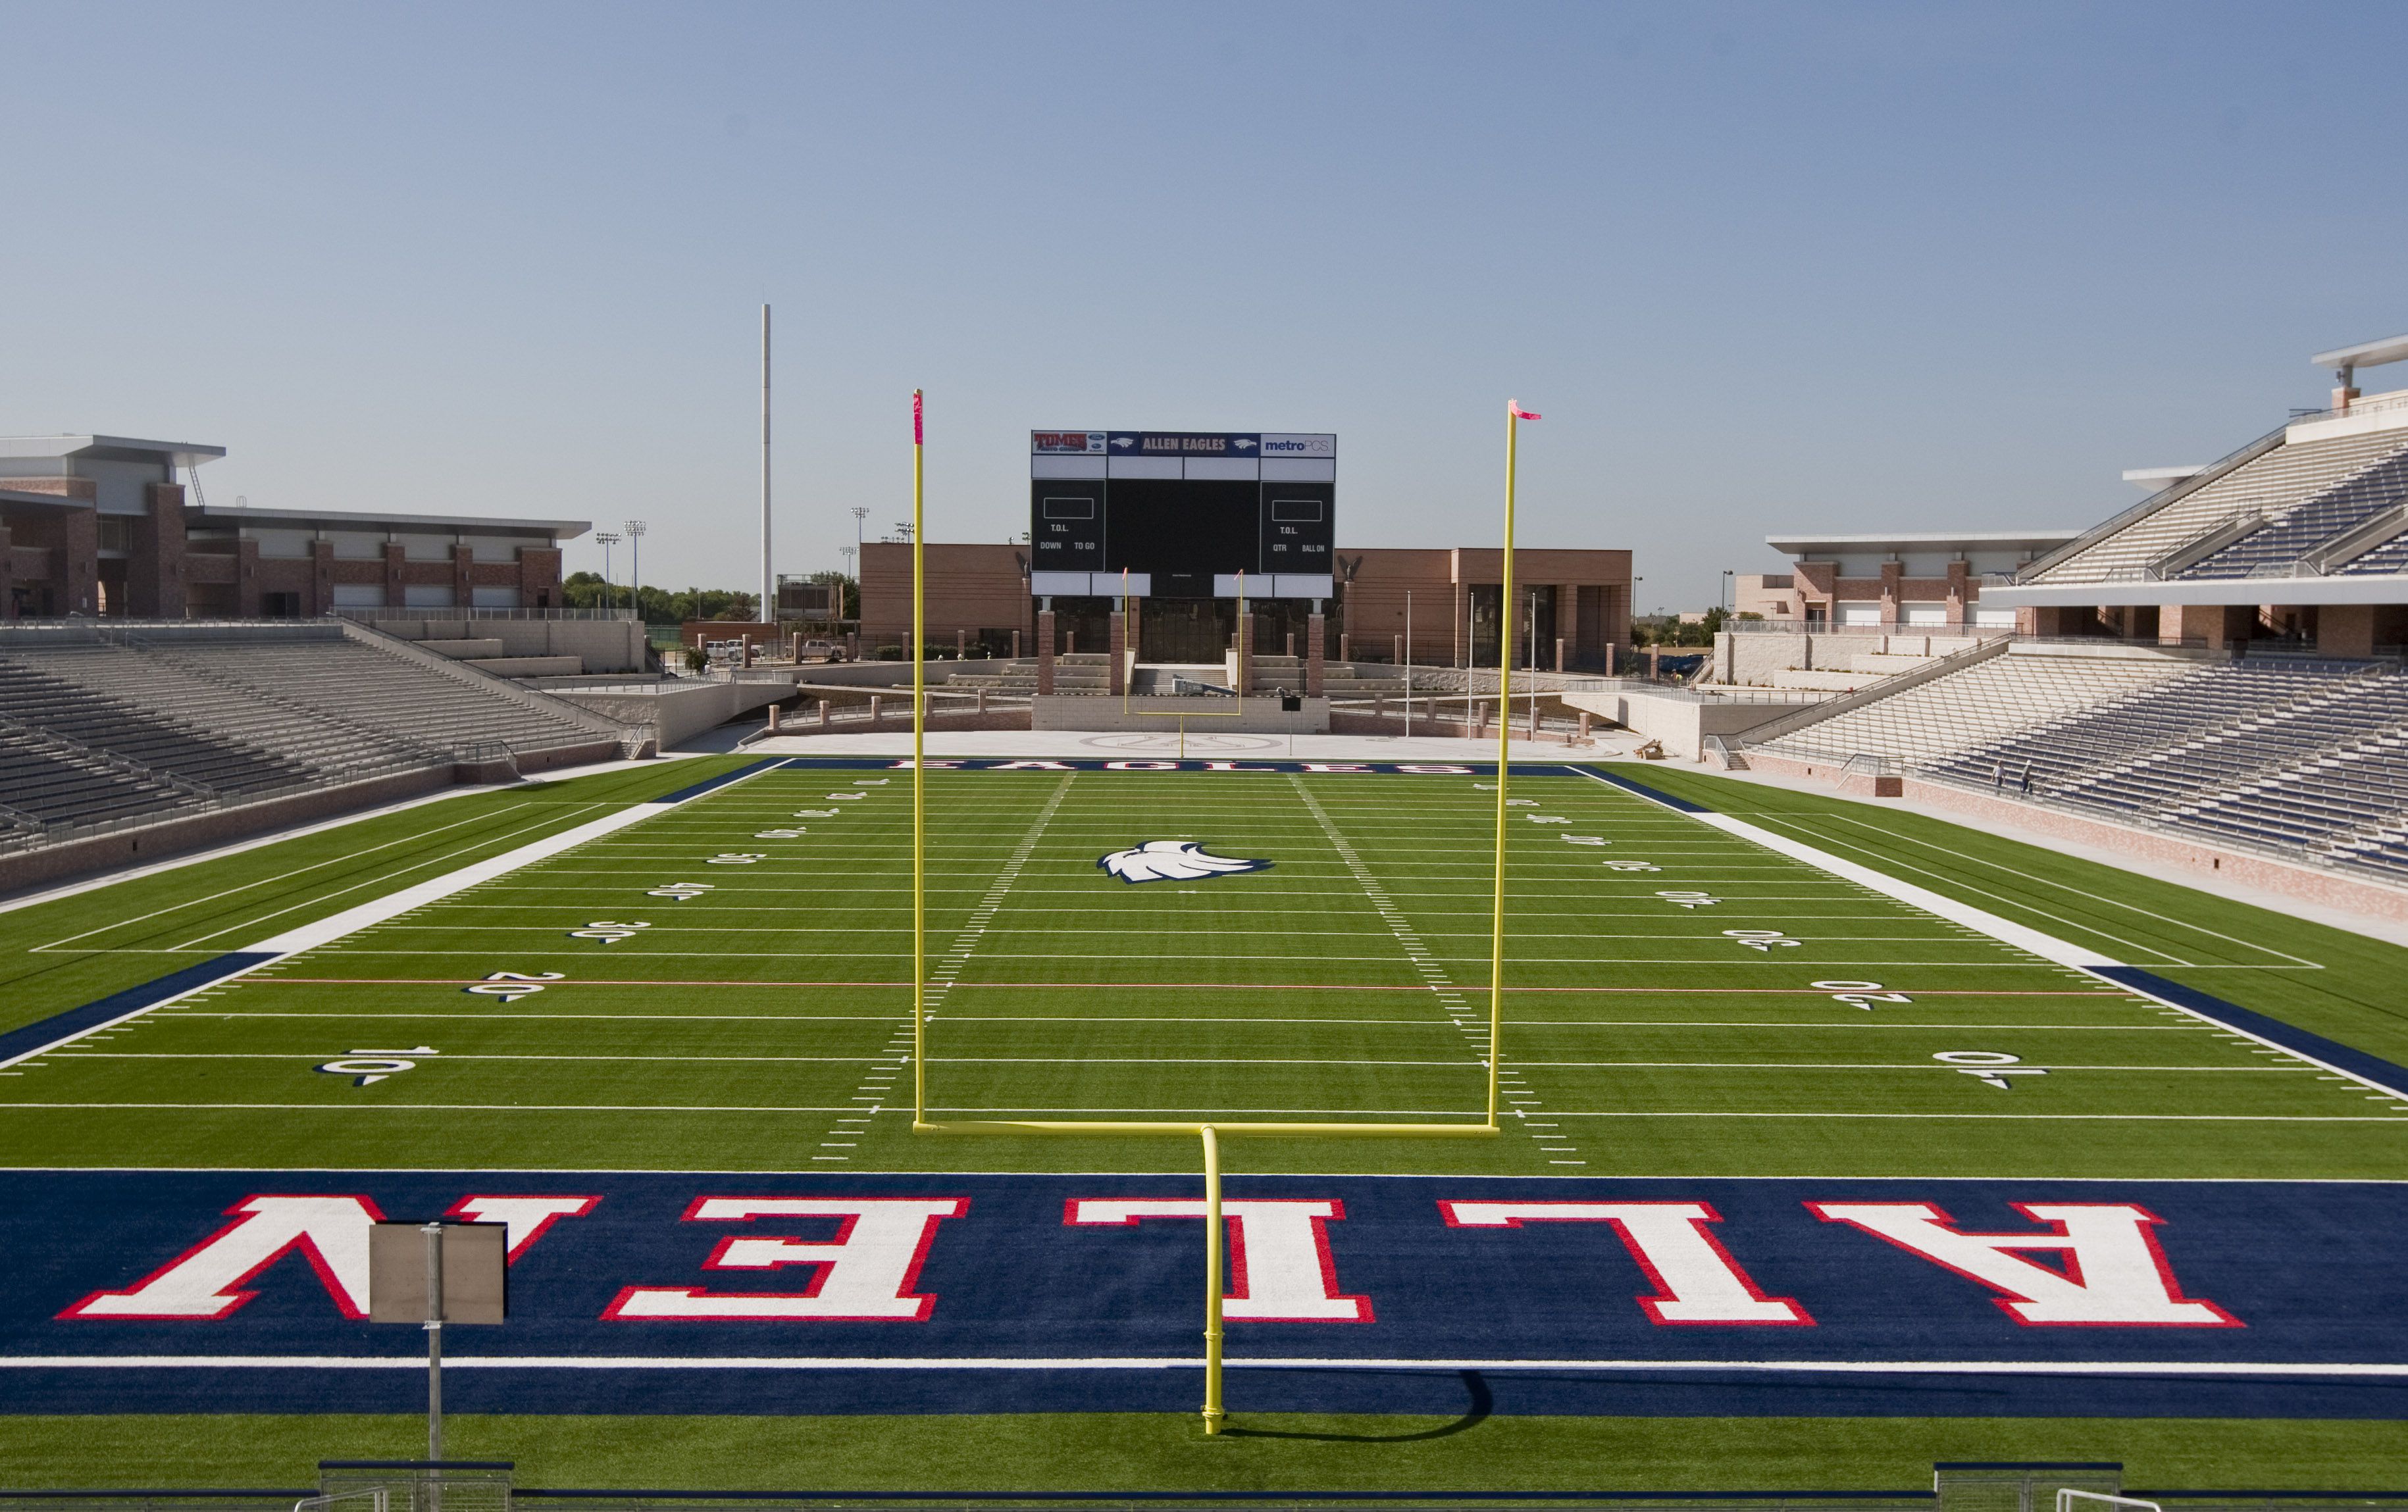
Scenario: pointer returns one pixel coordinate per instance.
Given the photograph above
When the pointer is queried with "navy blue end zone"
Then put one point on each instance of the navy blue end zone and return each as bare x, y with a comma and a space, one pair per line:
2298, 1291
697, 788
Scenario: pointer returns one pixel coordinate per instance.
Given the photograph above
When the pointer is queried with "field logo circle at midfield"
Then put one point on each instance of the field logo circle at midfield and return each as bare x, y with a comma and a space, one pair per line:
1174, 860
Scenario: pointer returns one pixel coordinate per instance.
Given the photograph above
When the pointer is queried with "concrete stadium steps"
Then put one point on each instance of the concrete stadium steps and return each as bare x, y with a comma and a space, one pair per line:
1016, 676
2030, 686
1270, 674
486, 655
378, 688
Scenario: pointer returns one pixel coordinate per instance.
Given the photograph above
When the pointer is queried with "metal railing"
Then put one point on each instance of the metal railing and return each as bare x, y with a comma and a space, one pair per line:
1887, 627
369, 615
2230, 463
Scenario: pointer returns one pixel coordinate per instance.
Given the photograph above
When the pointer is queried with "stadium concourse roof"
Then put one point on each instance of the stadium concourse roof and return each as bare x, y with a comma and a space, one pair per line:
1985, 540
2365, 354
221, 515
109, 448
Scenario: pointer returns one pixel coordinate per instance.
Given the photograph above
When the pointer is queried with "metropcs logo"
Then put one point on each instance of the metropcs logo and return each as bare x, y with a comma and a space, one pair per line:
2079, 1264
1300, 446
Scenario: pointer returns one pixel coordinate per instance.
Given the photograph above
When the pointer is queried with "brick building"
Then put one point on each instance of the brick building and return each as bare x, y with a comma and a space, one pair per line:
101, 525
1923, 580
981, 594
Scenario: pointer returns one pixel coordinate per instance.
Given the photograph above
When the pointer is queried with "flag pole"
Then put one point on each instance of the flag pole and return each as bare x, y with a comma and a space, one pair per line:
919, 773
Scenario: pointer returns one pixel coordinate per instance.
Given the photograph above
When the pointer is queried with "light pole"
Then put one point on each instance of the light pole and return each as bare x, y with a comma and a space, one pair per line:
1730, 590
636, 568
607, 539
860, 513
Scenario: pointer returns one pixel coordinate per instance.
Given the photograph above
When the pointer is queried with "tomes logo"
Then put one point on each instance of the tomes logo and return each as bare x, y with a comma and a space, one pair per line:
1173, 860
1054, 441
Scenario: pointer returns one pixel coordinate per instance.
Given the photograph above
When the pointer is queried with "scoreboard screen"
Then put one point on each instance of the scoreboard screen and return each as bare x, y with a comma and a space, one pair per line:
1181, 512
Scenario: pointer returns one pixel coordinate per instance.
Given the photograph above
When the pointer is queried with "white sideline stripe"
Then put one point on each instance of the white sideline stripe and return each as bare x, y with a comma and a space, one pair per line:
350, 921
2047, 946
376, 910
1850, 1367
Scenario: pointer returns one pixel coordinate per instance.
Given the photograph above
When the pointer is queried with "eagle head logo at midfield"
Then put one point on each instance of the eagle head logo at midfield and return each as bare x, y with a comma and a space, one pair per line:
1173, 860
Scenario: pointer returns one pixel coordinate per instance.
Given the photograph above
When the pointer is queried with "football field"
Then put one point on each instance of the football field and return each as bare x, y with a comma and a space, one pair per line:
724, 986
1974, 1146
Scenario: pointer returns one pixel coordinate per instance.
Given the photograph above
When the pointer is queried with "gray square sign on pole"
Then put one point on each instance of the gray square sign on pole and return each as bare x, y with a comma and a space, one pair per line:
433, 1274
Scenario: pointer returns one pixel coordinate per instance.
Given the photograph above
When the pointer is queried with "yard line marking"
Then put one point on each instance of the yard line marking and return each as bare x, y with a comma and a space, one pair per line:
974, 930
1199, 987
2372, 1072
22, 1044
281, 876
2094, 897
1449, 997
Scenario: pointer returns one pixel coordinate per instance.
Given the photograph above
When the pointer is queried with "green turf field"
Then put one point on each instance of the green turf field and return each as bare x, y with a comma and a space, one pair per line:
724, 987
1660, 1019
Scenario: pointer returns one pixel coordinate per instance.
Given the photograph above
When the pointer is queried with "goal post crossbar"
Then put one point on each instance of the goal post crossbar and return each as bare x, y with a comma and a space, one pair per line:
1227, 1129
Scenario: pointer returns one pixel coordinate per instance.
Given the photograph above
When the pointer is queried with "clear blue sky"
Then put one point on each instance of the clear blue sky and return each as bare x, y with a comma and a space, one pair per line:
1763, 268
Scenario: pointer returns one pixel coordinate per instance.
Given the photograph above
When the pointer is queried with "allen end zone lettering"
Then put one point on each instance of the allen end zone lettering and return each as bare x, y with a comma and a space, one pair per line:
651, 1292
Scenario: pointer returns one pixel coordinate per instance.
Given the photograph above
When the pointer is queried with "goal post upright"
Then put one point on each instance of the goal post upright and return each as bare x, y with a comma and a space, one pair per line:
918, 772
1514, 413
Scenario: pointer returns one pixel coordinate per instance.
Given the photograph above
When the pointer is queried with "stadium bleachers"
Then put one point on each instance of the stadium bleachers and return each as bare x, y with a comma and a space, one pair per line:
2290, 535
2266, 479
171, 748
2298, 757
2031, 685
121, 723
379, 688
45, 784
2138, 724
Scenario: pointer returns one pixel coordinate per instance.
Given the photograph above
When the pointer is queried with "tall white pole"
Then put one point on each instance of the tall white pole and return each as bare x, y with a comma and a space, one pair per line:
768, 588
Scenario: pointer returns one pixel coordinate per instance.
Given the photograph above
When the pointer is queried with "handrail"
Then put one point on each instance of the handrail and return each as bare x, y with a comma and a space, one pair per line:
541, 702
416, 752
2230, 463
416, 611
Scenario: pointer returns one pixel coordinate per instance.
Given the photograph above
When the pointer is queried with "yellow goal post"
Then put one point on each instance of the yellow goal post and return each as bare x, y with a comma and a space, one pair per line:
1208, 1131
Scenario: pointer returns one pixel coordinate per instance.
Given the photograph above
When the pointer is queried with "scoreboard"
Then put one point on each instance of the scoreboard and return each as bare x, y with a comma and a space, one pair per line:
1182, 513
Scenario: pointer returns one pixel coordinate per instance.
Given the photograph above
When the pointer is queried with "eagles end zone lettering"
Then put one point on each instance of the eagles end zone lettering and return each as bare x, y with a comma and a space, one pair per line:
2114, 1274
1695, 1279
204, 1283
1280, 1266
865, 1273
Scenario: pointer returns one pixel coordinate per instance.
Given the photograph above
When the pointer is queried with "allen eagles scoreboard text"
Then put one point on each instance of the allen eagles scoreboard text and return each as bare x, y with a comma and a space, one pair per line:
1181, 512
